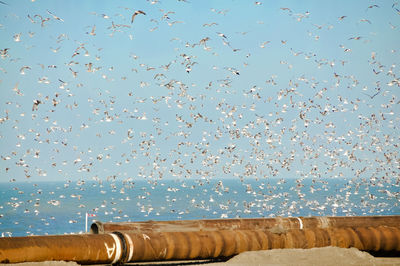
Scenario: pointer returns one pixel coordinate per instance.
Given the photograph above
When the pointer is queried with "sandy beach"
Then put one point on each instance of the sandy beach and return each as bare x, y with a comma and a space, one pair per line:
316, 256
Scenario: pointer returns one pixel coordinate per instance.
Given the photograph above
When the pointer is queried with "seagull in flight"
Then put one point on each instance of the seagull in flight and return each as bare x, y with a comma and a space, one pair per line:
137, 13
54, 16
373, 96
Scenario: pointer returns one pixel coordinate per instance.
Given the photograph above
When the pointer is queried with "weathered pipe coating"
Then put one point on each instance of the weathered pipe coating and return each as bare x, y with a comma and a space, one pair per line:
155, 246
213, 244
84, 249
244, 224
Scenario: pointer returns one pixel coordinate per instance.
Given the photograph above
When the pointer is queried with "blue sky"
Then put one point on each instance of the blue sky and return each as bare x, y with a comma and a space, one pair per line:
199, 89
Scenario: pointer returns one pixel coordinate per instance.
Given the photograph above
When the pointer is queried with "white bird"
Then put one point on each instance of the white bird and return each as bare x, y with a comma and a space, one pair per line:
54, 16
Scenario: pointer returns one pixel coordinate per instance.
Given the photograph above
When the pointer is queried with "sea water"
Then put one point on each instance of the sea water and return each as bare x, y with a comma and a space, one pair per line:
60, 207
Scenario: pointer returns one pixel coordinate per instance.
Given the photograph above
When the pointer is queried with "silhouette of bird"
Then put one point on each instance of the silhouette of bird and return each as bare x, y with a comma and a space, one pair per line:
137, 12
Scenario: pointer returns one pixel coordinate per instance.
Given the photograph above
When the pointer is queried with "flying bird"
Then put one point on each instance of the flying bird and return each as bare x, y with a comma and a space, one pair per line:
210, 24
31, 19
365, 20
22, 70
4, 52
264, 43
137, 13
372, 6
286, 9
54, 16
92, 33
35, 105
43, 20
375, 94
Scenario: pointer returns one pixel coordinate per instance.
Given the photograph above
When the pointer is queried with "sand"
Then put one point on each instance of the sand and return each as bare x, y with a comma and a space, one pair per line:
315, 256
326, 256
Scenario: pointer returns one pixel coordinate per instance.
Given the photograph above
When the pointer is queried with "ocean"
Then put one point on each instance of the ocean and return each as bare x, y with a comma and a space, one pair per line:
60, 207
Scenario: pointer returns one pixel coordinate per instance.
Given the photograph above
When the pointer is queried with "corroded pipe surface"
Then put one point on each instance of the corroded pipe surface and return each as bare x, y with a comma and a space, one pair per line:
84, 249
213, 244
245, 224
126, 246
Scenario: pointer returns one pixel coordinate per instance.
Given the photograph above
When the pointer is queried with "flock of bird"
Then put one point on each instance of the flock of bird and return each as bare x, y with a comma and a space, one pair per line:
118, 103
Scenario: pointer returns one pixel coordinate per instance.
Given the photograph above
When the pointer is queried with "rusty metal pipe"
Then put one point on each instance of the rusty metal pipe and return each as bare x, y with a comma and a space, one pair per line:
126, 246
245, 224
84, 249
159, 246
